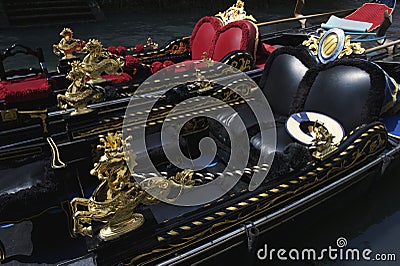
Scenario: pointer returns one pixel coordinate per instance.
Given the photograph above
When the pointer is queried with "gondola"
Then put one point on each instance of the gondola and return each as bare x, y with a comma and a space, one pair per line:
330, 121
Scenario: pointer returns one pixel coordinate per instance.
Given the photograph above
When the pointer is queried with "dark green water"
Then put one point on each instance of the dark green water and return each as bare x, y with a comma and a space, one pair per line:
372, 220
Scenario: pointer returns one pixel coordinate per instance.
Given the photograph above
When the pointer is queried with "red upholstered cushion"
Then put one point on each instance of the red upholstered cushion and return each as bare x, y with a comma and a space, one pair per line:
202, 36
26, 89
237, 35
116, 79
370, 12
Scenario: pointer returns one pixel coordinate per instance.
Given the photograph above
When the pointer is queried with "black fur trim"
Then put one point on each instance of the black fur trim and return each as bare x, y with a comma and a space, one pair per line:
298, 155
280, 166
31, 201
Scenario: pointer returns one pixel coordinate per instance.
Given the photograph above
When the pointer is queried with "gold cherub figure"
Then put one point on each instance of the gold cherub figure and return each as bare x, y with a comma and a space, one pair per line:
68, 45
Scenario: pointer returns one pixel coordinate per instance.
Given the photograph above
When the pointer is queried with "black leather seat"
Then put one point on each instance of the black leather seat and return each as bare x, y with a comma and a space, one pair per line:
350, 91
282, 74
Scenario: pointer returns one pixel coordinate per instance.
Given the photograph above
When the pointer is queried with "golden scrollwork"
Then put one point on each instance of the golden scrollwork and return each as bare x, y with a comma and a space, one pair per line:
114, 201
350, 48
234, 13
68, 45
312, 43
78, 94
179, 48
330, 43
97, 62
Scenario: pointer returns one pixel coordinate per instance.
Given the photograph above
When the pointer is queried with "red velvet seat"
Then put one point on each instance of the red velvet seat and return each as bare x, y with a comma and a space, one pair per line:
26, 89
34, 86
370, 12
237, 35
211, 37
203, 35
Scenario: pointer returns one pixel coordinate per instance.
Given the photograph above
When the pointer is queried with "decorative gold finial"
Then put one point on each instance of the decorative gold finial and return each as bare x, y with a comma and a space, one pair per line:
68, 45
114, 201
150, 43
97, 62
234, 13
78, 94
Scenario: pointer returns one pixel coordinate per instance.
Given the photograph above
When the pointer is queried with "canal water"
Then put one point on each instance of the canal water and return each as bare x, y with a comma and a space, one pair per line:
370, 221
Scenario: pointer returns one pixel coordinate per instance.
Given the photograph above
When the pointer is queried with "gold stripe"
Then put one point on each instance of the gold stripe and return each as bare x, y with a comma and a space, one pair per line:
173, 233
20, 153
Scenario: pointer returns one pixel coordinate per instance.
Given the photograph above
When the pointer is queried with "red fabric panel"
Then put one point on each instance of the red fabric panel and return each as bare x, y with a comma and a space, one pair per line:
263, 51
202, 36
116, 79
237, 35
23, 90
370, 12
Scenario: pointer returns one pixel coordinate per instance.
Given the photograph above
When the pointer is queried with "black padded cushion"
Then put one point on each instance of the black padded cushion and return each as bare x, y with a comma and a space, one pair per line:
349, 90
283, 72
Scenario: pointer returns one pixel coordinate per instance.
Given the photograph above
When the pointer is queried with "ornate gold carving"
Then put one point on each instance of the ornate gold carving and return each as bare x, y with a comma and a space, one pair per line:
183, 178
78, 94
323, 142
115, 199
330, 44
9, 115
312, 43
234, 13
97, 62
68, 45
178, 48
350, 48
